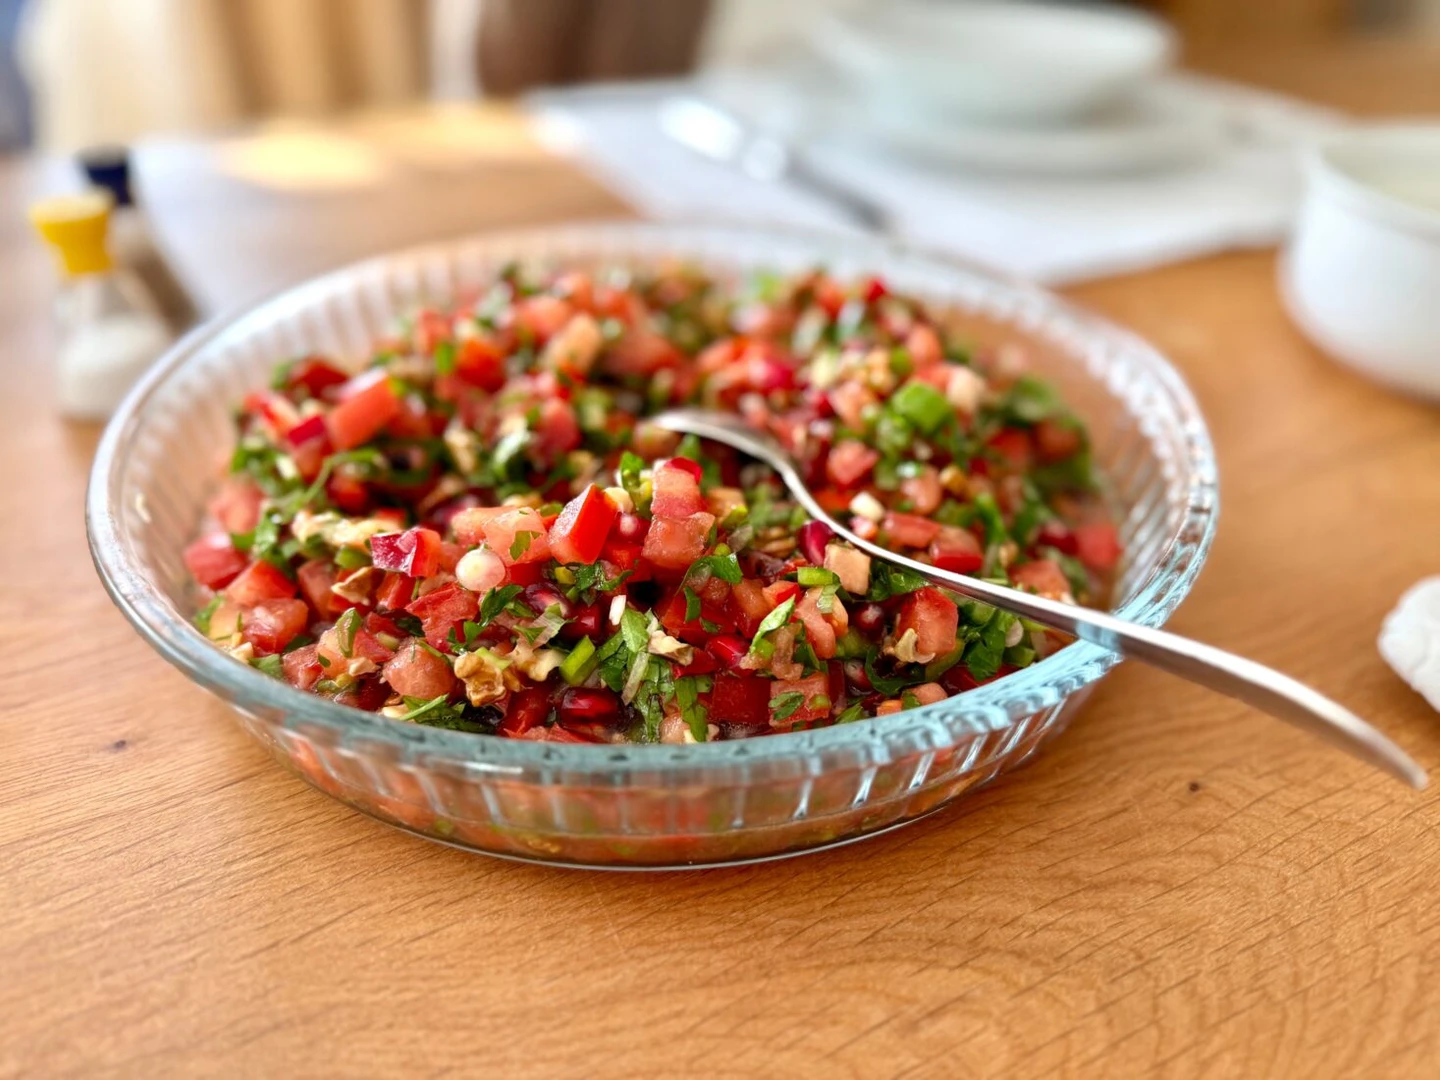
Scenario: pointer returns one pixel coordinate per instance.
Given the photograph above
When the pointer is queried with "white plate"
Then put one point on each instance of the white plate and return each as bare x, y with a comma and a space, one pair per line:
997, 60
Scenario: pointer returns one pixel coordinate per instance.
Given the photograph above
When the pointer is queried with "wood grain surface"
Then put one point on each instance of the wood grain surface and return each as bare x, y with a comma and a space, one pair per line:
1177, 887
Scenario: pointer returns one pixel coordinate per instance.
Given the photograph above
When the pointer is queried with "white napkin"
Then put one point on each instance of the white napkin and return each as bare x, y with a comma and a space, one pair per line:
1052, 228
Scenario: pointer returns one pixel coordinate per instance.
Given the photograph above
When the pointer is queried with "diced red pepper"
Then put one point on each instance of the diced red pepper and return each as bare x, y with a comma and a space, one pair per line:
315, 375
258, 582
366, 404
580, 532
414, 552
312, 427
214, 561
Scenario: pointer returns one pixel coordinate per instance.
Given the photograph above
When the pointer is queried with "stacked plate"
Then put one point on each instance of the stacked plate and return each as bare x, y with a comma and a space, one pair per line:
1013, 85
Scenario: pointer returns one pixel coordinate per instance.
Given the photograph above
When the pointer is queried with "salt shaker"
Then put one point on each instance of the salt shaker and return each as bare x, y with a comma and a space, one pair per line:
110, 327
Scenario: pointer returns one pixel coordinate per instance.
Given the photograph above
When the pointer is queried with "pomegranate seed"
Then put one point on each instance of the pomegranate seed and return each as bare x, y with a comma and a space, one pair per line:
582, 706
868, 618
855, 672
539, 597
586, 623
1055, 534
632, 528
813, 536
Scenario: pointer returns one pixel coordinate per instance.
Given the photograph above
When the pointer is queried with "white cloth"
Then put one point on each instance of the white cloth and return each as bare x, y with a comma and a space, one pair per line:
1052, 229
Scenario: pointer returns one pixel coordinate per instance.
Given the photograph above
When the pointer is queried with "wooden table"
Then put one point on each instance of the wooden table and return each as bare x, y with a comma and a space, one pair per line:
1177, 885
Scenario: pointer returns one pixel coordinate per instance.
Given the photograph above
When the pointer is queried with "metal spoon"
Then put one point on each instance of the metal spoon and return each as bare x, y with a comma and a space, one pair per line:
1250, 682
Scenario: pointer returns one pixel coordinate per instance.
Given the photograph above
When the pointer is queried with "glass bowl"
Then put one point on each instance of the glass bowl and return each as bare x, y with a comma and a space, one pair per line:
643, 806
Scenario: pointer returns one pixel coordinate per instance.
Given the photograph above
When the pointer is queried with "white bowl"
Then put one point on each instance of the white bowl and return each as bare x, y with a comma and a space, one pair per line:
1002, 61
1361, 275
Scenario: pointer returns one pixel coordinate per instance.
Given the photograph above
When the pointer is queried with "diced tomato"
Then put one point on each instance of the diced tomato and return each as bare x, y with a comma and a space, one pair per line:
469, 524
315, 578
414, 671
517, 536
934, 618
1044, 576
1098, 545
639, 351
430, 329
369, 647
273, 624
748, 605
780, 591
301, 667
685, 465
1056, 441
314, 374
557, 431
348, 492
818, 629
580, 532
873, 289
414, 552
213, 560
258, 582
815, 704
527, 709
923, 345
923, 490
676, 493
1013, 447
366, 404
957, 550
740, 699
480, 362
909, 529
542, 315
236, 506
850, 461
675, 543
443, 610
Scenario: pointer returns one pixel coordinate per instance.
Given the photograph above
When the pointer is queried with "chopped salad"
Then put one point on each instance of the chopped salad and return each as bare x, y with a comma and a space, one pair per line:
480, 531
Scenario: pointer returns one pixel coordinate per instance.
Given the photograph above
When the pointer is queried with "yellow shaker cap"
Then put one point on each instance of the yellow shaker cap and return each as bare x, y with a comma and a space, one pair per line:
75, 226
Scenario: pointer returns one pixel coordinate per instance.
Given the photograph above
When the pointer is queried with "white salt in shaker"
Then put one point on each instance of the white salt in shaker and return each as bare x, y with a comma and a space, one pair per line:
111, 329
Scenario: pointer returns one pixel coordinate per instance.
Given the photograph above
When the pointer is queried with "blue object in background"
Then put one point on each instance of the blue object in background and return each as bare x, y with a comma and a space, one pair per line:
14, 100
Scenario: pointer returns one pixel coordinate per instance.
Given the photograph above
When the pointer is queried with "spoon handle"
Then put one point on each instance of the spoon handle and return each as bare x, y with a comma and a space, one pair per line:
1253, 683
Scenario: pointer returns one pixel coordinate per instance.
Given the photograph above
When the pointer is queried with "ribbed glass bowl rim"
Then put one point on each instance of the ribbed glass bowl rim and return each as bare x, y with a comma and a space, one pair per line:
989, 708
